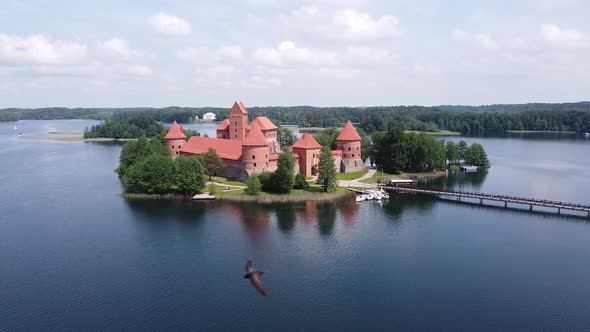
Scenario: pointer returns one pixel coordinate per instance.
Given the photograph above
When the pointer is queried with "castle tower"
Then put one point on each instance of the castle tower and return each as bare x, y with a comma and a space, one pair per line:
349, 141
255, 150
175, 139
308, 150
238, 121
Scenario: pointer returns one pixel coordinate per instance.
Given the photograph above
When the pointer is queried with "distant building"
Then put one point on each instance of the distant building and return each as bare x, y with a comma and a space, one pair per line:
253, 148
197, 117
209, 116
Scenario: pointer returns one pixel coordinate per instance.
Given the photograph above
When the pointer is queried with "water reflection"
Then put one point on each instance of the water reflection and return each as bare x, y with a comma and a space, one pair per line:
162, 211
458, 180
397, 205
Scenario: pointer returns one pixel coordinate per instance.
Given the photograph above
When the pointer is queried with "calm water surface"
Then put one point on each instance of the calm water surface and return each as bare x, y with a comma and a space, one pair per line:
74, 255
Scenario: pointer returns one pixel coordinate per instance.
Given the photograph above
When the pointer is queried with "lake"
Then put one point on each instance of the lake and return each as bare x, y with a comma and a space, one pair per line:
75, 255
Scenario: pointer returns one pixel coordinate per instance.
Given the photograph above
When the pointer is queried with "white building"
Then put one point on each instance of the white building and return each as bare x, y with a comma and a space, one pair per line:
197, 117
209, 116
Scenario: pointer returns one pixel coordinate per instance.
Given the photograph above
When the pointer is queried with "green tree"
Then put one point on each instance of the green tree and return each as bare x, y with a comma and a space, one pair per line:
327, 137
282, 179
327, 170
300, 182
286, 137
390, 150
153, 174
254, 185
133, 151
190, 175
452, 152
212, 162
477, 156
265, 181
462, 149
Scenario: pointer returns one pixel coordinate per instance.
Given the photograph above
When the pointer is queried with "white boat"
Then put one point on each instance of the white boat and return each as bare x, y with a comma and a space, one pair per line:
370, 197
361, 198
587, 134
15, 128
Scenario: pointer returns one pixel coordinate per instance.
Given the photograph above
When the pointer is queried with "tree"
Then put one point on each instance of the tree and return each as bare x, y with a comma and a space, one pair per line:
327, 137
452, 152
282, 178
327, 169
153, 174
390, 150
286, 137
254, 185
190, 175
212, 161
300, 182
133, 151
462, 149
477, 156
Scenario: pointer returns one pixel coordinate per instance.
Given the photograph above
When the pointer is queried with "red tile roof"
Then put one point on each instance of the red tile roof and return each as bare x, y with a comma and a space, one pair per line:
175, 132
238, 107
223, 125
225, 148
264, 123
255, 137
348, 133
306, 141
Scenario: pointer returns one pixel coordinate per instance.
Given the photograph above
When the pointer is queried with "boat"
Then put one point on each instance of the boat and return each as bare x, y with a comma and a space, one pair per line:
15, 128
370, 197
587, 134
361, 198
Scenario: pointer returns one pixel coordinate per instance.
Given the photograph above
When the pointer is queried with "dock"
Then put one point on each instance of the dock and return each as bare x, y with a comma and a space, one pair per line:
203, 197
482, 197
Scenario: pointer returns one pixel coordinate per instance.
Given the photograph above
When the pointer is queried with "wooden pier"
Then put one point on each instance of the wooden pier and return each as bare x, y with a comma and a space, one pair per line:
530, 202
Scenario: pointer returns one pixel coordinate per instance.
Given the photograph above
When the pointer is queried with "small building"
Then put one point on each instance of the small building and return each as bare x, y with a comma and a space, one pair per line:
209, 116
197, 117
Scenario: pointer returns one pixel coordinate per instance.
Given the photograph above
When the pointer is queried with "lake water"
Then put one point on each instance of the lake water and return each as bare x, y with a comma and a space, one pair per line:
74, 255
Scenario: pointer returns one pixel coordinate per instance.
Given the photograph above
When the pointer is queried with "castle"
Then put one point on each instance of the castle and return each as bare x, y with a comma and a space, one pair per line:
253, 148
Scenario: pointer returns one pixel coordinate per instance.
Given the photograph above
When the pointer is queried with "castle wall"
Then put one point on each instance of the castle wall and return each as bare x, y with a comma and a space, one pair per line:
308, 160
223, 134
255, 158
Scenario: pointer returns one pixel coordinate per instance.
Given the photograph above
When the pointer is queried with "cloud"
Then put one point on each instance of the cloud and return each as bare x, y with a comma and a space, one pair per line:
206, 55
481, 40
40, 50
140, 70
287, 53
117, 49
170, 25
339, 72
260, 82
353, 25
563, 37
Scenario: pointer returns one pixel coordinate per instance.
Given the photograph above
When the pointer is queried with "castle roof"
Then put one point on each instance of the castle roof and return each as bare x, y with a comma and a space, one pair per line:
306, 141
238, 107
348, 133
175, 132
255, 137
264, 123
225, 148
223, 125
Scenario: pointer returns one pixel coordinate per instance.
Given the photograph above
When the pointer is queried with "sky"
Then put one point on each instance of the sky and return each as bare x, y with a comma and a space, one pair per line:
121, 53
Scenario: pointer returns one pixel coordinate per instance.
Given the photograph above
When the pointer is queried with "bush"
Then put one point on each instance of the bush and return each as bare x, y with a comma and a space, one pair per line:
300, 182
254, 185
265, 181
151, 175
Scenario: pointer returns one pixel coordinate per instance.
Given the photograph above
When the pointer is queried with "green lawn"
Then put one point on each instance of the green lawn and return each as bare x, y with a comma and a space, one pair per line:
379, 176
351, 176
226, 181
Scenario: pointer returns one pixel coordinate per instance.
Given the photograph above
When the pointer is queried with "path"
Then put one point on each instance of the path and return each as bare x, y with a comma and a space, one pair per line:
357, 182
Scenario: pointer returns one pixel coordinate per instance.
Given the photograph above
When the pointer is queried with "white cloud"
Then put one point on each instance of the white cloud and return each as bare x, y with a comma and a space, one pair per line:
339, 72
170, 25
260, 82
480, 40
206, 55
287, 53
140, 70
563, 37
40, 50
353, 25
367, 56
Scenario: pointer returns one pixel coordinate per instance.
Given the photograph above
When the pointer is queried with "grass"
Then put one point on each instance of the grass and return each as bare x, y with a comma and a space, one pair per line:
351, 176
147, 196
225, 181
297, 195
381, 176
438, 133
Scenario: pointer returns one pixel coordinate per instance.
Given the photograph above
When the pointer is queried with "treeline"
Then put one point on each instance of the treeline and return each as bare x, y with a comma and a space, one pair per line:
134, 127
474, 121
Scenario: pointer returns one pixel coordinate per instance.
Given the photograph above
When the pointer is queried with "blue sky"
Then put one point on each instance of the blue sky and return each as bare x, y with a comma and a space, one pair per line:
287, 52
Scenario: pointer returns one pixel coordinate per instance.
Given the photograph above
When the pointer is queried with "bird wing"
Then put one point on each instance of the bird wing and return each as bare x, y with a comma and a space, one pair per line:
248, 266
255, 280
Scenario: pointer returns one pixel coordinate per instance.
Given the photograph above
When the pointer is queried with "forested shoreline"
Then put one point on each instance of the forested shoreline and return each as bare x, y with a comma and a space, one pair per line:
468, 120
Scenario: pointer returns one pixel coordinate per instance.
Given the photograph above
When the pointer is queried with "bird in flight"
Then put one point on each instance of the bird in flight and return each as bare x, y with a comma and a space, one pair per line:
254, 277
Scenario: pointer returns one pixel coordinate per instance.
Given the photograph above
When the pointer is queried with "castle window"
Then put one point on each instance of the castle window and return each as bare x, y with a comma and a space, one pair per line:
254, 164
253, 157
357, 148
176, 152
236, 123
349, 148
353, 155
236, 136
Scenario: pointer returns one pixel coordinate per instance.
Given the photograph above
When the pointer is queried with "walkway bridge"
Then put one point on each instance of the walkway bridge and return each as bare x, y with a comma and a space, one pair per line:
531, 202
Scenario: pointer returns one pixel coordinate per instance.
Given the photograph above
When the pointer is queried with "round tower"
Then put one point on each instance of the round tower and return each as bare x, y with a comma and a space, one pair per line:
255, 150
349, 141
175, 139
